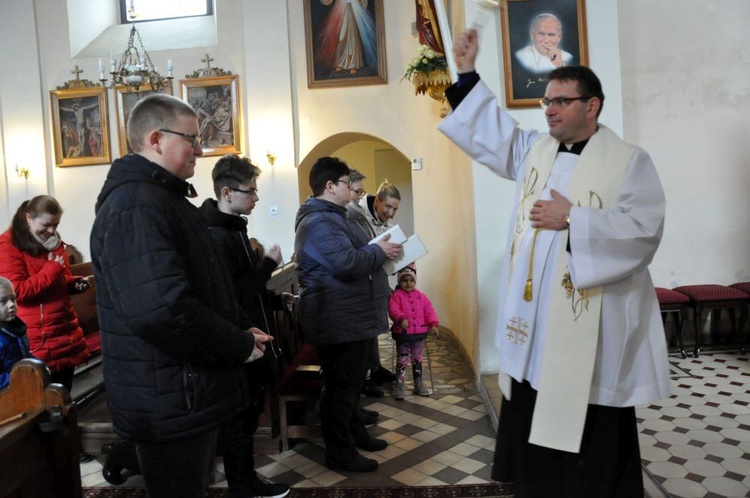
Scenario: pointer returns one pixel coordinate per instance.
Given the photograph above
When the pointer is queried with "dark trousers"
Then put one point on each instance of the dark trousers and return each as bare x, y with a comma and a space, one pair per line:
64, 377
344, 367
373, 360
178, 468
608, 465
236, 445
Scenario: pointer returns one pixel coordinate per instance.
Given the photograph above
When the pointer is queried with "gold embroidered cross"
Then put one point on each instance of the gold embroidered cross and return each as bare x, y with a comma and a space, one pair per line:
517, 330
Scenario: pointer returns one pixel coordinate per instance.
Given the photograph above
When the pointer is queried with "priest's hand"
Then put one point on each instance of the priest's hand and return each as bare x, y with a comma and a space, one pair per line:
552, 214
465, 49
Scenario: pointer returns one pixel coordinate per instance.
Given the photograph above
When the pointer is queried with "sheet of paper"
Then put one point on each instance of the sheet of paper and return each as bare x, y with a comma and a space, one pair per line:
397, 235
413, 249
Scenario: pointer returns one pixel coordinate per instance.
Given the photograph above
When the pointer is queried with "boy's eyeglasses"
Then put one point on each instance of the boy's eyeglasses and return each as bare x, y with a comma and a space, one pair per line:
195, 140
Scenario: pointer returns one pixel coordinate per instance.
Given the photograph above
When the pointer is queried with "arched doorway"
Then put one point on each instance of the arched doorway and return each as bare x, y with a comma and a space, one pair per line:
373, 157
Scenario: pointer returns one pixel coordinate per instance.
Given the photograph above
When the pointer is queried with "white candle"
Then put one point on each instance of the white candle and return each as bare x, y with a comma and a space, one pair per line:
112, 61
169, 68
101, 69
143, 60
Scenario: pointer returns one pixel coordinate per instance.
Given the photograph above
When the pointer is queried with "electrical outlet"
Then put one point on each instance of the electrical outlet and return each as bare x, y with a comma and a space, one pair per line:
273, 210
416, 164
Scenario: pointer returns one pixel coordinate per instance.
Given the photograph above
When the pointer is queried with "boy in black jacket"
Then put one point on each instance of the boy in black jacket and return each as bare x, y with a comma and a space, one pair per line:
236, 189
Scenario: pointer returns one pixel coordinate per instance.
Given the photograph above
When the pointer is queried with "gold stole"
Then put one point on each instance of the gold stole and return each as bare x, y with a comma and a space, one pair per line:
573, 331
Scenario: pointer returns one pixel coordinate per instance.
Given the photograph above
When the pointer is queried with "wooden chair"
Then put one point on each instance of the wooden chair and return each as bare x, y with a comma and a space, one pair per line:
675, 304
296, 386
39, 441
713, 297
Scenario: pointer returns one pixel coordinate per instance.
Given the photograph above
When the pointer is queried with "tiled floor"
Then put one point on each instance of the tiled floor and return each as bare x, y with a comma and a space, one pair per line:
446, 438
695, 444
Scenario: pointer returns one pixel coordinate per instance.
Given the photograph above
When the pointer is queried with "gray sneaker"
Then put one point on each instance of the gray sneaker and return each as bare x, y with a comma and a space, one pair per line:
398, 390
420, 389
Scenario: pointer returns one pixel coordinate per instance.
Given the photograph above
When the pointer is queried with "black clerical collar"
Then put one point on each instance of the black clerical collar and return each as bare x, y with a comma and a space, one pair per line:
576, 148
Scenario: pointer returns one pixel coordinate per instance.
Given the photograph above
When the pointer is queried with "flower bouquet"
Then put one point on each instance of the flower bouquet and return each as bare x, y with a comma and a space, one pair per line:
428, 71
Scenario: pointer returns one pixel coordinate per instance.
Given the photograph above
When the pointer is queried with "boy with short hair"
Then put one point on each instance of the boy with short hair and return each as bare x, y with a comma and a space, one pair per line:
174, 340
235, 185
14, 345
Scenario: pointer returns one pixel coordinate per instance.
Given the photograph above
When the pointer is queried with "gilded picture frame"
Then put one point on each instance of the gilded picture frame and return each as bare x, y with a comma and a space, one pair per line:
339, 51
124, 102
80, 129
216, 100
532, 47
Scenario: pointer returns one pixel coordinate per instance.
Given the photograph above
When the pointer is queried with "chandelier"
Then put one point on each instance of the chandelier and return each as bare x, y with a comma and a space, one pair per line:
135, 68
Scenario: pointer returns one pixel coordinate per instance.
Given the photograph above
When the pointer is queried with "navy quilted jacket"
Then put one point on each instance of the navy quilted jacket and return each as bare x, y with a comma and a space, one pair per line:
343, 288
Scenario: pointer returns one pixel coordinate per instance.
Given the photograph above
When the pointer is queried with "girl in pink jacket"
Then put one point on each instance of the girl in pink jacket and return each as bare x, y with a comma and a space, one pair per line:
413, 318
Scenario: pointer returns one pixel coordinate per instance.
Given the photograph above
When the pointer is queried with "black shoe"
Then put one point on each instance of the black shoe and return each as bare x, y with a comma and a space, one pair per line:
371, 390
263, 489
381, 375
356, 464
112, 472
84, 457
368, 417
372, 444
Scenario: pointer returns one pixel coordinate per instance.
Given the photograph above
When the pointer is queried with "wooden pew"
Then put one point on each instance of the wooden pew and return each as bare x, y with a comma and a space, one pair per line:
39, 442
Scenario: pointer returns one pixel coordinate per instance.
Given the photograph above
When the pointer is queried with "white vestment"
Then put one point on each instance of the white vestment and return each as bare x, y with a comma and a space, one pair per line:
610, 248
535, 62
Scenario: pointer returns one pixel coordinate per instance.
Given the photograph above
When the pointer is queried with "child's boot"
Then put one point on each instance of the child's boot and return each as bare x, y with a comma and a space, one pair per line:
419, 388
398, 389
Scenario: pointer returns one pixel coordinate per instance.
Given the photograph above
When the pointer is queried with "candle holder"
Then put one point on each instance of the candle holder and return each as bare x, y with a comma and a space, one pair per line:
135, 68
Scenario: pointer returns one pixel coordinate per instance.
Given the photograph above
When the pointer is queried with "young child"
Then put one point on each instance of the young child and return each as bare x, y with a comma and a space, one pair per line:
14, 345
413, 318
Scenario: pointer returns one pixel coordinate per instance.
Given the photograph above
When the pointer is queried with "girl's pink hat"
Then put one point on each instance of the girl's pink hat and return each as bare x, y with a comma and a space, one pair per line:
407, 270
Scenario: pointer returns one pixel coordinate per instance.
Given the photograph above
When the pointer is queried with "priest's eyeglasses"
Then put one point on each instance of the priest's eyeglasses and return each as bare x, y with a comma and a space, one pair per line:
195, 140
560, 102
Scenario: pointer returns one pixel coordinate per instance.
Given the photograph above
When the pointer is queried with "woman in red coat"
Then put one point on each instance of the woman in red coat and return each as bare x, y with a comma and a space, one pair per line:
33, 257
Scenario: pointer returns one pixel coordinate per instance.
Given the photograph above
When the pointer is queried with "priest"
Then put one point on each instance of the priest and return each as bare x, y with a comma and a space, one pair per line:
579, 330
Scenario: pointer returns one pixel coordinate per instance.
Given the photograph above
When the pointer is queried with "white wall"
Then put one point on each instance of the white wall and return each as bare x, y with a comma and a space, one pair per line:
685, 77
22, 118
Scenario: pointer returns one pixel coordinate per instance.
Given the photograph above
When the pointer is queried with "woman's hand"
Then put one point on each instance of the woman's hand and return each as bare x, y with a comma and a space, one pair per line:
434, 330
81, 285
404, 323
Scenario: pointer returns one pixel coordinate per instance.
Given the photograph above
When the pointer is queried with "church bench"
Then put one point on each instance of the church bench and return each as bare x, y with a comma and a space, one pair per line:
39, 441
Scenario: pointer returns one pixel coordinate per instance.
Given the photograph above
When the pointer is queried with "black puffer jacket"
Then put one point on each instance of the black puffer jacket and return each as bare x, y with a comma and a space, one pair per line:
173, 337
343, 288
248, 272
249, 276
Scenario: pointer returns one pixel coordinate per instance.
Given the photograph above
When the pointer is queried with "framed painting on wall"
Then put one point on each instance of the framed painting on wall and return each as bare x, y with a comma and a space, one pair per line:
216, 100
345, 43
79, 126
124, 103
539, 36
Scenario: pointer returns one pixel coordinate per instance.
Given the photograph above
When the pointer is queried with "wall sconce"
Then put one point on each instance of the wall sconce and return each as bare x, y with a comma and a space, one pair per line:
271, 158
22, 172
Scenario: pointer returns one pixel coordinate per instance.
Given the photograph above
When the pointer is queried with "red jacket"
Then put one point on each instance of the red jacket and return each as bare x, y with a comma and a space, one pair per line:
43, 290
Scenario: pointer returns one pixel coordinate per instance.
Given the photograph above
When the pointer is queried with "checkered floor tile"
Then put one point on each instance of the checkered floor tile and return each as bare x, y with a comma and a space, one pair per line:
697, 443
446, 438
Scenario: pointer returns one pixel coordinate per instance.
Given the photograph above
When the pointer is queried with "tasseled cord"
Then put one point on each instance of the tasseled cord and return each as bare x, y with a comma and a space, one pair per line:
527, 293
